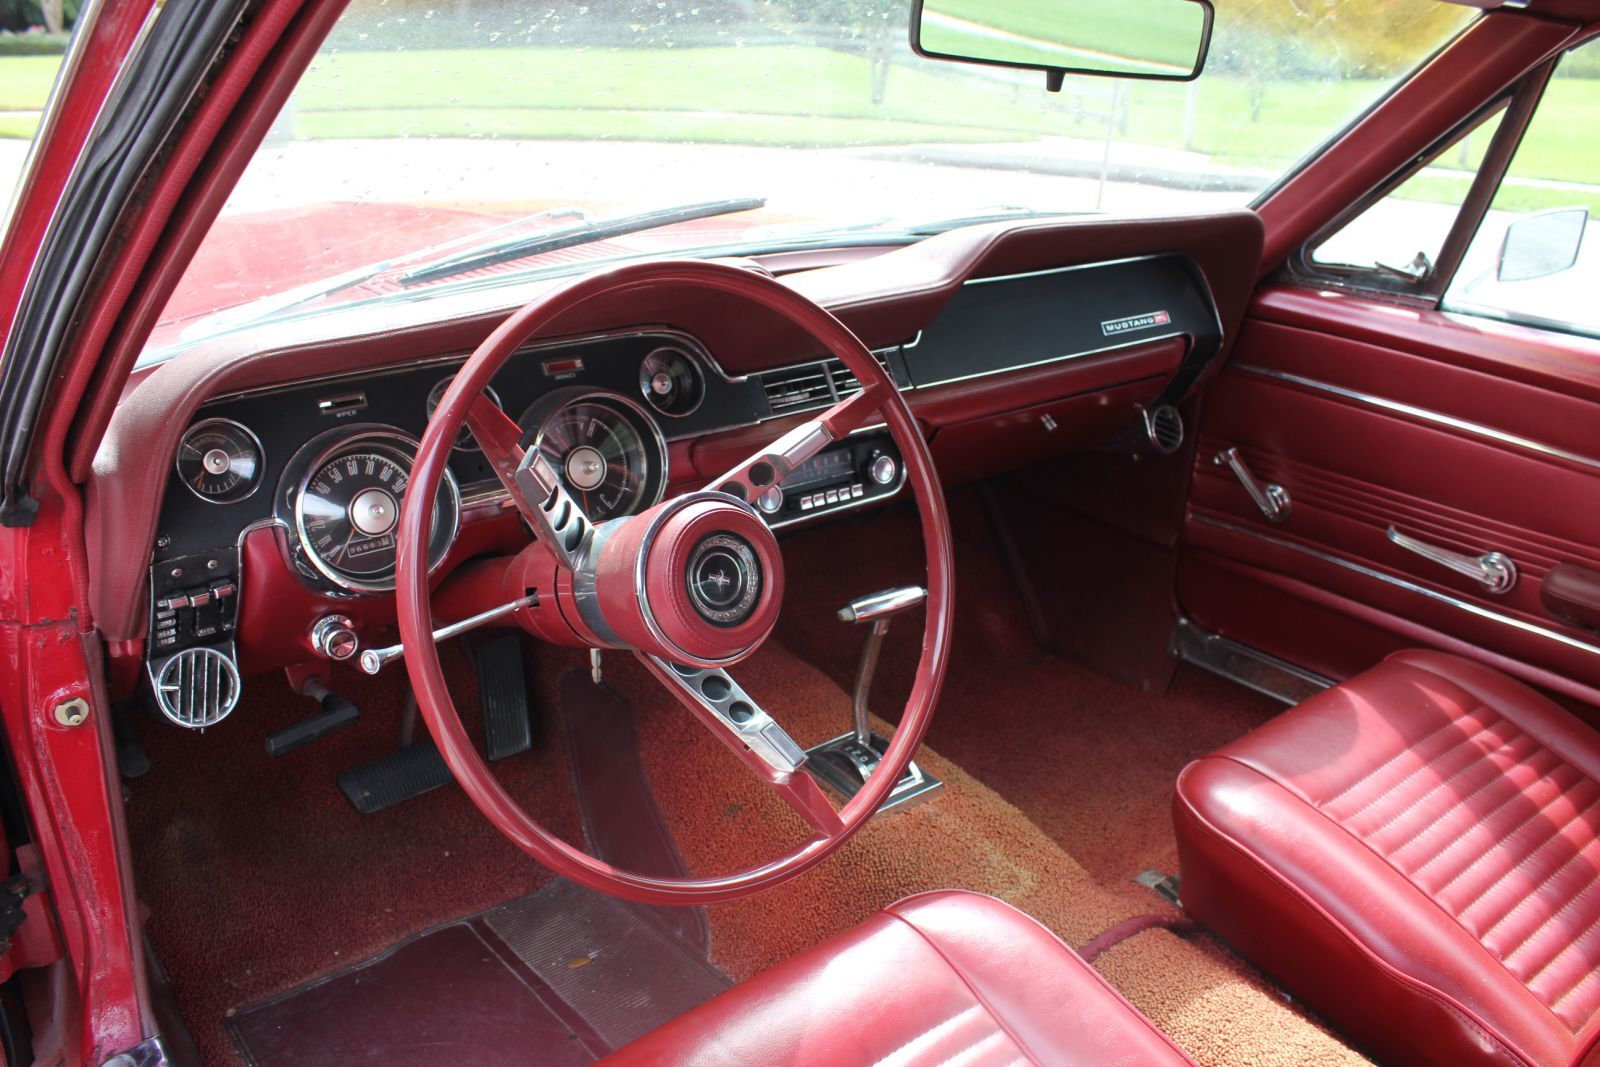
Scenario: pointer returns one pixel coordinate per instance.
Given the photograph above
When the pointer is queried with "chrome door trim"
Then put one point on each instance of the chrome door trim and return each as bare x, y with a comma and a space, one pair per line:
1409, 586
1476, 429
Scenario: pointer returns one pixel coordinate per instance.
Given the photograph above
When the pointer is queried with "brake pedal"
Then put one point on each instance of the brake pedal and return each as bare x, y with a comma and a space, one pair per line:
395, 778
503, 692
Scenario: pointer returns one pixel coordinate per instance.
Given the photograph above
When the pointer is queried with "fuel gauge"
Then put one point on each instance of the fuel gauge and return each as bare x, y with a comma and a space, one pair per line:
220, 461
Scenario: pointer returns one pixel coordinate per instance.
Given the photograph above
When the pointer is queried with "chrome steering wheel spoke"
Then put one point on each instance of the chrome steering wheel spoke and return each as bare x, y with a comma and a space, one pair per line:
535, 487
772, 464
751, 734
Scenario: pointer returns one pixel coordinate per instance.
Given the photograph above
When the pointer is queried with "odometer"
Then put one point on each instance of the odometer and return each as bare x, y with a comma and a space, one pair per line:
348, 508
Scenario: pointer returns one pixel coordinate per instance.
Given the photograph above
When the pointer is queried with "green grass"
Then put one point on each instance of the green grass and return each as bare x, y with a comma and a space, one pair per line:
798, 95
1166, 32
25, 81
21, 128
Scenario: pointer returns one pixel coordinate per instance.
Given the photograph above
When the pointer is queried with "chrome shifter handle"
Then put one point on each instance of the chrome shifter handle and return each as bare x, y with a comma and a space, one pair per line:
877, 608
882, 605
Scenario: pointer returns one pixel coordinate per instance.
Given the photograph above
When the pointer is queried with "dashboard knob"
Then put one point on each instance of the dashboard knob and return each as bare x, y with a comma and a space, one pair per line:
883, 469
334, 637
770, 502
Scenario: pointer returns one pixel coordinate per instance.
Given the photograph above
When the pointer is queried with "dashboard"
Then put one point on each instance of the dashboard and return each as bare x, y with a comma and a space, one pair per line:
274, 478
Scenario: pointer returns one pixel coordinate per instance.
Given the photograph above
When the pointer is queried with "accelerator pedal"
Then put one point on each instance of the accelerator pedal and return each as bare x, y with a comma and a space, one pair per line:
503, 691
395, 778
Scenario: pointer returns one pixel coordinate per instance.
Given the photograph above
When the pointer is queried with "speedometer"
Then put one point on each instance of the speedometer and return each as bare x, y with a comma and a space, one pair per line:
347, 509
608, 451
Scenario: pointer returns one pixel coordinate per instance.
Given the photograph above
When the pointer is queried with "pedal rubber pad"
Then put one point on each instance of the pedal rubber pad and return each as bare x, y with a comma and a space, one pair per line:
399, 776
503, 691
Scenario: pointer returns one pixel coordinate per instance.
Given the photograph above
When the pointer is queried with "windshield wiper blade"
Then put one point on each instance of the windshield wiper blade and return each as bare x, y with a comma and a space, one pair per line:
584, 231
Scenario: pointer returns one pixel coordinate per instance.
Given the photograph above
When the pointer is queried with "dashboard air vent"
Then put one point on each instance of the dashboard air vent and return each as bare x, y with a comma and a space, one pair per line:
844, 380
799, 387
197, 687
1164, 427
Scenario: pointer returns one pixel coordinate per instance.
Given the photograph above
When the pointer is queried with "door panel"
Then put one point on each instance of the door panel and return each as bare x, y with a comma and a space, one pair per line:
1368, 427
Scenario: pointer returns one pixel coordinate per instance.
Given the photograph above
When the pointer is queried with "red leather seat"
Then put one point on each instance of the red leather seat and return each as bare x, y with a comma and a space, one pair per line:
1416, 854
946, 977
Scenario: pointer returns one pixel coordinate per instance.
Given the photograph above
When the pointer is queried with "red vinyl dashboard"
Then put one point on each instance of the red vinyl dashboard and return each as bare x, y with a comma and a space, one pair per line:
1013, 343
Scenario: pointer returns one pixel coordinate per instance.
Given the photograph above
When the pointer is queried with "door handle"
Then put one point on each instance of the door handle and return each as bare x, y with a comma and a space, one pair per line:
1492, 570
1270, 497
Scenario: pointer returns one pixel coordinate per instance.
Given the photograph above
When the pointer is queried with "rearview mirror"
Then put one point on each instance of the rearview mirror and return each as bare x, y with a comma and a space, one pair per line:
1537, 246
1160, 39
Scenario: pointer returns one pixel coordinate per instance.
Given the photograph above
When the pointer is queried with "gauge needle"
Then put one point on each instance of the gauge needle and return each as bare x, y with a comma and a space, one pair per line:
346, 546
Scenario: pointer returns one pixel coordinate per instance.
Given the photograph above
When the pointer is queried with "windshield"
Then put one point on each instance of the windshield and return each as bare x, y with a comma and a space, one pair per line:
421, 135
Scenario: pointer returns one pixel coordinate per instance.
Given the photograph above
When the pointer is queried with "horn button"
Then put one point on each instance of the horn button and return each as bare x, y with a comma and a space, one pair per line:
724, 578
709, 581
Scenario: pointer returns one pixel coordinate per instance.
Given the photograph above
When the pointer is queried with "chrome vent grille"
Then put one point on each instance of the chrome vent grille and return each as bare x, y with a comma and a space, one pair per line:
1164, 427
794, 388
812, 384
197, 687
843, 378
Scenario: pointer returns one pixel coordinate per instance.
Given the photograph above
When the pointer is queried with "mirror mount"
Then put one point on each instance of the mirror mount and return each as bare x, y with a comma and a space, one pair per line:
1154, 40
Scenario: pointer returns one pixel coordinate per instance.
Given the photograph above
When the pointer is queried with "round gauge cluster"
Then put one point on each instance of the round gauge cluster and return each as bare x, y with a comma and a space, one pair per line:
465, 442
220, 461
671, 381
346, 507
609, 452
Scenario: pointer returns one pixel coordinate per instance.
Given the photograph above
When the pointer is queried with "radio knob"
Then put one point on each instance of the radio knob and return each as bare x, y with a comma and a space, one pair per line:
770, 502
883, 469
334, 637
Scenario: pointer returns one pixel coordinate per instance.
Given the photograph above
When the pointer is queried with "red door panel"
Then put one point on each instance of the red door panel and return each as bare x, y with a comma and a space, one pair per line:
1373, 416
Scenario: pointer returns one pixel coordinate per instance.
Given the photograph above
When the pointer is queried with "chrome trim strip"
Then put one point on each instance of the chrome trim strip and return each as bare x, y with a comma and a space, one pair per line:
1409, 586
1067, 270
1476, 429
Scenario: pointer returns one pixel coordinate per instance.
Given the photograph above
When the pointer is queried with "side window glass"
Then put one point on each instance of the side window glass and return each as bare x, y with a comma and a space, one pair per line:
1536, 257
1399, 235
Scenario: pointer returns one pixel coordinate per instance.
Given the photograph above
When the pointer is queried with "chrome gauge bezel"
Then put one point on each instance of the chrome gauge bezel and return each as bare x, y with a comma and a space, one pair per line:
312, 457
697, 372
261, 461
540, 413
430, 405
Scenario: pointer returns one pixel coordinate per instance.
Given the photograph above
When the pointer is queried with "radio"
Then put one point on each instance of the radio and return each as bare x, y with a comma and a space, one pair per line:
860, 470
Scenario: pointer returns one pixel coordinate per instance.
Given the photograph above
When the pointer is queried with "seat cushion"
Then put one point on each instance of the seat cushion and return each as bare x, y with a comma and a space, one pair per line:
941, 978
1416, 853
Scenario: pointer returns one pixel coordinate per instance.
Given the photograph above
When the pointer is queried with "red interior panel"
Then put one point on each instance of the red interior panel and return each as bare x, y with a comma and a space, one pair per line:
1418, 432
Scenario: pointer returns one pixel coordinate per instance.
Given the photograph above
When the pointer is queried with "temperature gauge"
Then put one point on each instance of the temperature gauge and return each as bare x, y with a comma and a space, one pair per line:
220, 461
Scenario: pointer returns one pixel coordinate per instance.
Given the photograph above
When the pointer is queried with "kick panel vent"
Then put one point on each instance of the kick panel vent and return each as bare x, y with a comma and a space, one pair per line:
1164, 427
198, 687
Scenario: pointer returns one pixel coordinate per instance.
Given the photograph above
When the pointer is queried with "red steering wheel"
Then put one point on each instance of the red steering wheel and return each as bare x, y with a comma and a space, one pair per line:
626, 583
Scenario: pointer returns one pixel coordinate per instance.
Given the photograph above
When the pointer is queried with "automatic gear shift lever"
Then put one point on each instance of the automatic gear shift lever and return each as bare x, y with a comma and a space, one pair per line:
878, 609
845, 763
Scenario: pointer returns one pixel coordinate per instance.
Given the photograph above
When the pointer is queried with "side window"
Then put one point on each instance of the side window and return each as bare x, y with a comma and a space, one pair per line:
1536, 257
1399, 235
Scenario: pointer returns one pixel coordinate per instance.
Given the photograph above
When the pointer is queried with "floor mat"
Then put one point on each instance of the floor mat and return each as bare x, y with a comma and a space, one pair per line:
259, 875
557, 978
